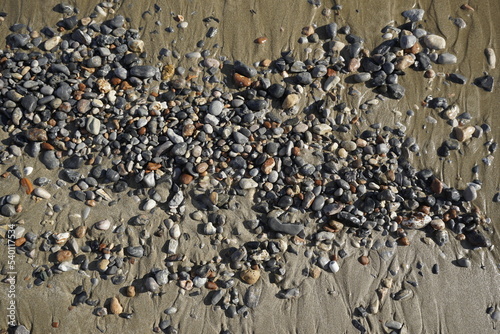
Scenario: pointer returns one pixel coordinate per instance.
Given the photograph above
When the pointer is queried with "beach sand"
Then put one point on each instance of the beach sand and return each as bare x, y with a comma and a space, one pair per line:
453, 301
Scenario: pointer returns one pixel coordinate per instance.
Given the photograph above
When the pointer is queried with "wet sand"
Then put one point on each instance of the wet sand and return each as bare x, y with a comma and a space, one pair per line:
454, 301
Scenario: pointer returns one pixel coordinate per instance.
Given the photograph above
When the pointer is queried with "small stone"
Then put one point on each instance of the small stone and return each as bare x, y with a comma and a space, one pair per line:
103, 225
63, 256
241, 81
394, 325
49, 159
93, 125
334, 266
260, 40
463, 262
248, 184
136, 45
414, 15
290, 101
250, 276
52, 43
364, 260
143, 71
470, 193
115, 307
463, 133
209, 229
151, 285
485, 82
434, 42
136, 251
130, 291
42, 193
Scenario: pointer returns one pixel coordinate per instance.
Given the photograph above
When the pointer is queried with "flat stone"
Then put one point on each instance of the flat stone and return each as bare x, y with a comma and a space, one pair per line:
48, 158
93, 125
414, 15
143, 71
277, 226
434, 42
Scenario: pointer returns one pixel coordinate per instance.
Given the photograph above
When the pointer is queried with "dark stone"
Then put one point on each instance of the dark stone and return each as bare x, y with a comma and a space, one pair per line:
48, 158
395, 91
256, 105
457, 78
143, 71
275, 225
75, 162
244, 69
276, 90
485, 82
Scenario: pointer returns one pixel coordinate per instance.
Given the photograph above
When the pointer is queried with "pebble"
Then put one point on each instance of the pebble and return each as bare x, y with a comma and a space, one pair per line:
334, 266
103, 225
93, 125
42, 193
48, 158
114, 306
250, 276
491, 58
136, 251
393, 325
414, 15
434, 42
463, 262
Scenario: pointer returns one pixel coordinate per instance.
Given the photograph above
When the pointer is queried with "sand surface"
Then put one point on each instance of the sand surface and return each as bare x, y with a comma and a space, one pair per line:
454, 301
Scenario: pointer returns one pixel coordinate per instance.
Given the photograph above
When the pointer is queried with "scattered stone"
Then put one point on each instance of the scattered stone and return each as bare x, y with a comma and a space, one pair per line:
250, 276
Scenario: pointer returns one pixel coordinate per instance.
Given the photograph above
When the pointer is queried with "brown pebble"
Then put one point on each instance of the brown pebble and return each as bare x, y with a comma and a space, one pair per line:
461, 237
296, 151
47, 147
260, 40
429, 74
64, 255
19, 242
336, 225
353, 64
130, 291
36, 134
464, 133
437, 186
202, 167
268, 165
27, 185
153, 166
416, 48
315, 272
266, 62
241, 81
115, 306
211, 285
404, 241
308, 31
250, 276
467, 7
188, 130
55, 324
186, 178
80, 231
364, 260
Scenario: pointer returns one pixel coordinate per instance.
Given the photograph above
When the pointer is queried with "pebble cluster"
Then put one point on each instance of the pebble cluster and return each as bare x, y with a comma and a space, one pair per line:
80, 95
